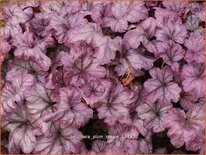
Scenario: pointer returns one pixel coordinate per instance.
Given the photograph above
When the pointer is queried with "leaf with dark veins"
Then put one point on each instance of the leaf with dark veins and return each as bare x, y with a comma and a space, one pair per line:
171, 53
63, 141
18, 82
153, 115
80, 65
193, 78
71, 111
107, 48
40, 101
22, 131
160, 86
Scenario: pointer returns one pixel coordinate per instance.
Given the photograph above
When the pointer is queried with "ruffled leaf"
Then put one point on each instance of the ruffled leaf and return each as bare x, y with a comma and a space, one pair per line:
194, 79
130, 12
160, 86
115, 107
195, 49
22, 131
153, 115
81, 66
63, 141
18, 82
29, 48
71, 111
171, 53
184, 127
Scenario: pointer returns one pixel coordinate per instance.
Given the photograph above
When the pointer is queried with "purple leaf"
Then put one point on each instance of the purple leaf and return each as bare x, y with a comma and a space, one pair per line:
64, 22
115, 107
22, 131
153, 115
132, 61
183, 127
160, 86
107, 48
123, 12
178, 7
81, 66
29, 48
188, 99
93, 92
40, 102
195, 49
18, 82
143, 33
71, 111
171, 53
194, 78
63, 141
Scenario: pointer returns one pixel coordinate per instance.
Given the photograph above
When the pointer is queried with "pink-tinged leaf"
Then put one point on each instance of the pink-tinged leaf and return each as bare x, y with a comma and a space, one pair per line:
123, 12
115, 107
31, 67
71, 111
142, 34
95, 91
72, 7
13, 92
22, 131
124, 67
10, 30
178, 7
188, 99
151, 3
80, 65
132, 61
62, 23
198, 10
56, 79
195, 49
194, 78
16, 14
52, 6
131, 146
138, 60
63, 141
134, 37
29, 48
28, 4
184, 127
40, 102
130, 130
86, 33
172, 31
107, 48
5, 46
153, 115
196, 143
94, 9
40, 24
192, 23
171, 53
160, 86
164, 16
149, 27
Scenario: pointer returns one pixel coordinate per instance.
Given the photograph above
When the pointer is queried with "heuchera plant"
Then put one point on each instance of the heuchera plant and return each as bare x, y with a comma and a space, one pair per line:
93, 77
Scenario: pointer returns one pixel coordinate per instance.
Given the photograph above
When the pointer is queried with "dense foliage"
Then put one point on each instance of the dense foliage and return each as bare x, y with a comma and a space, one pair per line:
129, 73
